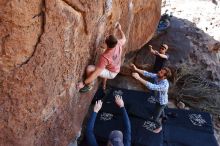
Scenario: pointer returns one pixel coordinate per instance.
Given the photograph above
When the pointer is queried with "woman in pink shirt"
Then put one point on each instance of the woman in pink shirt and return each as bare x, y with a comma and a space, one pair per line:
108, 65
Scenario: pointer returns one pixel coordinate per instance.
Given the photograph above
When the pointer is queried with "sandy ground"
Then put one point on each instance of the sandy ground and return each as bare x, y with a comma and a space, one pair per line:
204, 13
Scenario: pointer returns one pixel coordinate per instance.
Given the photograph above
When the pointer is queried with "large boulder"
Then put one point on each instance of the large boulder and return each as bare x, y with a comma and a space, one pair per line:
45, 46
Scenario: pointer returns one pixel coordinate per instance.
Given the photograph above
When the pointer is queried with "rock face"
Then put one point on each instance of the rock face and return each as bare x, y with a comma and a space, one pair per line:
45, 46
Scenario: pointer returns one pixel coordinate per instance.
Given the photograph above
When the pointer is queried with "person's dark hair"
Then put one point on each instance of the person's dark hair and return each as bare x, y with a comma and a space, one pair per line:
165, 46
111, 41
116, 138
168, 72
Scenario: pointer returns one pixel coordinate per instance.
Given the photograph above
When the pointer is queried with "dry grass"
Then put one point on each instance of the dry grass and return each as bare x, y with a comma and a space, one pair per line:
190, 86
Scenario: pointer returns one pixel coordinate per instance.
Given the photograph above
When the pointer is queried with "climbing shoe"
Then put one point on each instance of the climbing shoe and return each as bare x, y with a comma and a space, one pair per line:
86, 88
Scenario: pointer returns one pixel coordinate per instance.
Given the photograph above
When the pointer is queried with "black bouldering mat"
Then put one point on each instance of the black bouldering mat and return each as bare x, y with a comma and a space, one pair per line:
187, 128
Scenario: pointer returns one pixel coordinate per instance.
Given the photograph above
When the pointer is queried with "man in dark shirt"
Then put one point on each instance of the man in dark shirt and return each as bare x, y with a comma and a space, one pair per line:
161, 57
116, 138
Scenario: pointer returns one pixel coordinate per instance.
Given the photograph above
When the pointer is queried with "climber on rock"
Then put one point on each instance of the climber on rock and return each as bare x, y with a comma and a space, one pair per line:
109, 62
160, 88
161, 57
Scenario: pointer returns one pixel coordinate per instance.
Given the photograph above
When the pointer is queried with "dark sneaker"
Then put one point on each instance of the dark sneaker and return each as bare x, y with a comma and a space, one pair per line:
85, 89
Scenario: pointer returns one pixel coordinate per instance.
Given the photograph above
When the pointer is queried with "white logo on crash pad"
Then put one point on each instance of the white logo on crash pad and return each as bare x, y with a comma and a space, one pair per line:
197, 119
149, 125
151, 99
106, 116
117, 92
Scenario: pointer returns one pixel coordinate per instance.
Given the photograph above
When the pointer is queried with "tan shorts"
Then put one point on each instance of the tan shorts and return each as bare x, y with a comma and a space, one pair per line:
108, 74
